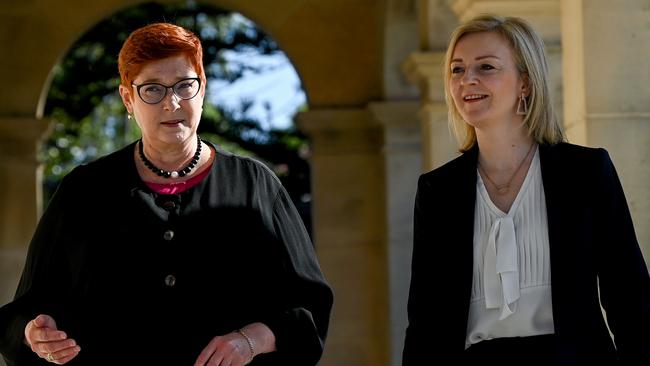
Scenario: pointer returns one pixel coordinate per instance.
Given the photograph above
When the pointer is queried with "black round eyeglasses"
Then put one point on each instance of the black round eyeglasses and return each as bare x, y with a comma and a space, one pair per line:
153, 93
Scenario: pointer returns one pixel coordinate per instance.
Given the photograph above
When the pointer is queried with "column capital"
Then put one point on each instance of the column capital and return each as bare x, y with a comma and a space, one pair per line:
544, 15
425, 69
395, 113
401, 126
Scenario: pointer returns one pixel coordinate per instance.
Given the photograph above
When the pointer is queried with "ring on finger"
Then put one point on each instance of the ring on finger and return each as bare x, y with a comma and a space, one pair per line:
49, 357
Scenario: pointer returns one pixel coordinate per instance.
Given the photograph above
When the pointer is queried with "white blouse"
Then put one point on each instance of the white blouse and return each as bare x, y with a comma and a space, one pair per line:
511, 289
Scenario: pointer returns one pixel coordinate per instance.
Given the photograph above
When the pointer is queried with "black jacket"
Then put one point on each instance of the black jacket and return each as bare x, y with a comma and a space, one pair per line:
593, 248
126, 271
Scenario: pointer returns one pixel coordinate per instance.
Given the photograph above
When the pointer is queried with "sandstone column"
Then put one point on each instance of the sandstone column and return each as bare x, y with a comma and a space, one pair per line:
438, 144
20, 194
402, 159
349, 231
606, 70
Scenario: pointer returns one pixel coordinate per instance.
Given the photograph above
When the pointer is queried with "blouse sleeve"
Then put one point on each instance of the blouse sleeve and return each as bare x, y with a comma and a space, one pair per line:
301, 326
623, 276
40, 288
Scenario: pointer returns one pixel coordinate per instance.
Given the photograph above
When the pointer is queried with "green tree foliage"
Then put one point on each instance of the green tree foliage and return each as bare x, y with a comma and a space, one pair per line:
89, 119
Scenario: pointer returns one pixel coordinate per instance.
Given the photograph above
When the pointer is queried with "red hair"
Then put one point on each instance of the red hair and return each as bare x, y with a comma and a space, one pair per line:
155, 42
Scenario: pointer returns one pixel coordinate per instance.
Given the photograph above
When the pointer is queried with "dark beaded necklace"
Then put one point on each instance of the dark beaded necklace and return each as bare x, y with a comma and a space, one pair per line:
165, 174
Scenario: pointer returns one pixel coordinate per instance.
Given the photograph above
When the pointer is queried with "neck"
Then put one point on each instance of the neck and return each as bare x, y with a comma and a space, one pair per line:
502, 149
170, 156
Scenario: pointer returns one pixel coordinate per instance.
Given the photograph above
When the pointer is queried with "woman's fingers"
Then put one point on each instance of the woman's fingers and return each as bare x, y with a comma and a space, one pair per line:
226, 354
42, 329
207, 352
63, 356
216, 359
48, 342
44, 320
230, 360
46, 335
228, 350
53, 347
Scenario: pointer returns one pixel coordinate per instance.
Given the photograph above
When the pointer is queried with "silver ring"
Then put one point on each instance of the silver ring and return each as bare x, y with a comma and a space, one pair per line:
49, 357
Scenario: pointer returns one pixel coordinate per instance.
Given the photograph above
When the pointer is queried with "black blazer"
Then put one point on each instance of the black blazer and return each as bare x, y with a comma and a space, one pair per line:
593, 248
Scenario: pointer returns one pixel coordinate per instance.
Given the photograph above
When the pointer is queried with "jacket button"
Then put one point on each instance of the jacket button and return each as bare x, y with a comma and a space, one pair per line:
168, 235
170, 280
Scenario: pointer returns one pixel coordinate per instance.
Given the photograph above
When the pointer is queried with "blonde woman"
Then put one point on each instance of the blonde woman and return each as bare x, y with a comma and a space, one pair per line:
520, 240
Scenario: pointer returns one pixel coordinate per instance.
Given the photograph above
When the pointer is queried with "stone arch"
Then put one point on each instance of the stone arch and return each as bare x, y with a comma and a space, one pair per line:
73, 31
315, 37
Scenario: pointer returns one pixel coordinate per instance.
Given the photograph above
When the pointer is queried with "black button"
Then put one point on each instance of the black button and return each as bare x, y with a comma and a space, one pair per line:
170, 280
169, 205
168, 235
168, 202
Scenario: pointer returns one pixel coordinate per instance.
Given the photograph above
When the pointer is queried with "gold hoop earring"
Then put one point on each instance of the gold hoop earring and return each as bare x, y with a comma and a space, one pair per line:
522, 106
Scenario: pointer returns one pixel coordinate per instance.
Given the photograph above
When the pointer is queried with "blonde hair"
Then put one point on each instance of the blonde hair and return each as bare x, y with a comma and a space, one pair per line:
530, 58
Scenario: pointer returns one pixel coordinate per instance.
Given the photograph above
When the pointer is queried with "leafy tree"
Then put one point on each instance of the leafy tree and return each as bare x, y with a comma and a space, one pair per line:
89, 119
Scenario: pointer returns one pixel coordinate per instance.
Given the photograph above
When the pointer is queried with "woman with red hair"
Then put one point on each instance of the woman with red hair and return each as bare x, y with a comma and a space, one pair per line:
169, 251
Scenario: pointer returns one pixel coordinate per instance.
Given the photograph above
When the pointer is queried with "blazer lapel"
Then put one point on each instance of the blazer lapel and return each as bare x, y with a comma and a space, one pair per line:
558, 226
549, 161
466, 195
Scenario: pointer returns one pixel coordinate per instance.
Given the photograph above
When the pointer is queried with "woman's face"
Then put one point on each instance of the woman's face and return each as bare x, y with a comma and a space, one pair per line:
172, 120
485, 83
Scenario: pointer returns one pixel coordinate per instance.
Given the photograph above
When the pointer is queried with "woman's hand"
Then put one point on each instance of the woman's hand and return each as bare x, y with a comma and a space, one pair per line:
42, 336
234, 349
228, 350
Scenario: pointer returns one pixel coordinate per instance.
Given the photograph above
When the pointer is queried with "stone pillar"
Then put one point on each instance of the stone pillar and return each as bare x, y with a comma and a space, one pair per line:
402, 166
349, 231
20, 194
425, 69
607, 72
575, 123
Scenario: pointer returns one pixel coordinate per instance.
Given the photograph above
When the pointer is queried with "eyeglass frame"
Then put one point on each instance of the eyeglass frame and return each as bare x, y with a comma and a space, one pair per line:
138, 87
